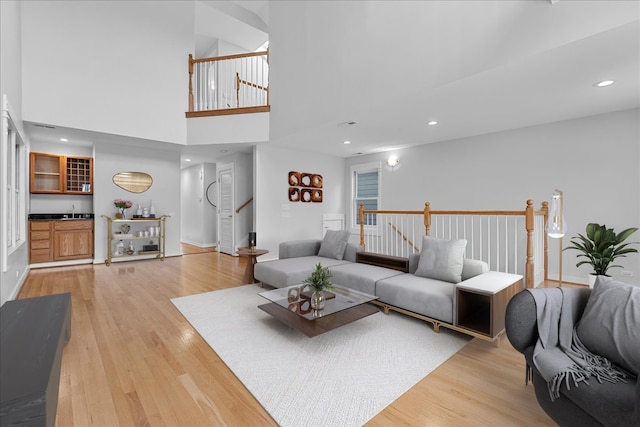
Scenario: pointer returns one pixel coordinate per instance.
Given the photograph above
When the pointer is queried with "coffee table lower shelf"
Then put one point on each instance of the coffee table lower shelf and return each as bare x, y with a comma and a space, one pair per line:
320, 325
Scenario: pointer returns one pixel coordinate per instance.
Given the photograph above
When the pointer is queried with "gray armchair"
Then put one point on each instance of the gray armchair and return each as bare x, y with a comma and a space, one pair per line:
596, 404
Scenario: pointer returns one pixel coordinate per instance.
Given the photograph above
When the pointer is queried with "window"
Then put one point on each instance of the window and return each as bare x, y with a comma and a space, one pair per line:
13, 182
365, 191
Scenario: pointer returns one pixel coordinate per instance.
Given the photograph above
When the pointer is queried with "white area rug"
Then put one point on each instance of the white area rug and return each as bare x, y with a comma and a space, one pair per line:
341, 378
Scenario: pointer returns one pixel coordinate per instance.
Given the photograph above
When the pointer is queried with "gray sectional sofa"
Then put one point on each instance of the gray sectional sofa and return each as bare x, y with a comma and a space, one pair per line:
393, 280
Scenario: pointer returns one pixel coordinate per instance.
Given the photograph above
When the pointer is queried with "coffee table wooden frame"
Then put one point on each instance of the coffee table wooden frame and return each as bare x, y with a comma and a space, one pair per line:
320, 325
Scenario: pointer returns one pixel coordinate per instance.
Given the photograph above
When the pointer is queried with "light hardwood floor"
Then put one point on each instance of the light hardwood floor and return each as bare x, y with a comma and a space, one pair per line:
133, 360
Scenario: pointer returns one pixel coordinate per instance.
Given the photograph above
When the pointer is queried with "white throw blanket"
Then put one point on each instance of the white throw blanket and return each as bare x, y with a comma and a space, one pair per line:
559, 355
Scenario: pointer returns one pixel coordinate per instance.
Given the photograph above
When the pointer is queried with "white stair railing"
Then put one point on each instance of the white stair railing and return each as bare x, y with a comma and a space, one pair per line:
509, 241
229, 82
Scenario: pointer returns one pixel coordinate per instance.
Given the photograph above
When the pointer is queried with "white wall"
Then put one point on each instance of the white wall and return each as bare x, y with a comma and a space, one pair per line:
11, 85
11, 48
191, 184
236, 128
198, 215
278, 219
164, 168
209, 212
593, 160
114, 67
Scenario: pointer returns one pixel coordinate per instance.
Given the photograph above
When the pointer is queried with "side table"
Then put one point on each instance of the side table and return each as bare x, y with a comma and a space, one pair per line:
482, 302
252, 254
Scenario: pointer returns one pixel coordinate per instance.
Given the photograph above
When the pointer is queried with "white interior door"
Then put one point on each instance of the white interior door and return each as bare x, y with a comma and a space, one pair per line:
226, 214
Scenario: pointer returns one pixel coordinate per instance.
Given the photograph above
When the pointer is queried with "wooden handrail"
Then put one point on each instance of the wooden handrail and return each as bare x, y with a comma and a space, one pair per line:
242, 206
404, 237
529, 215
240, 81
236, 56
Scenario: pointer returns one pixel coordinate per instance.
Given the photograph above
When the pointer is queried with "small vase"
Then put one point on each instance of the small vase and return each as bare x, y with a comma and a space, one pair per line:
317, 300
119, 214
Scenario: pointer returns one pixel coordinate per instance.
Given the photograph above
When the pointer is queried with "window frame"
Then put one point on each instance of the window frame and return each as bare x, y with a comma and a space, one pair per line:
14, 152
354, 170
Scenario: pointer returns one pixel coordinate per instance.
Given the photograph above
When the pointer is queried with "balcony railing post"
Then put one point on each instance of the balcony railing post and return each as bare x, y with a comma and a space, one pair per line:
427, 218
529, 224
361, 218
237, 90
190, 82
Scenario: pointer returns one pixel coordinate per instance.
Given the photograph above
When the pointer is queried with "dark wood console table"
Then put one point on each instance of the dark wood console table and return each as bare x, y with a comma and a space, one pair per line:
33, 332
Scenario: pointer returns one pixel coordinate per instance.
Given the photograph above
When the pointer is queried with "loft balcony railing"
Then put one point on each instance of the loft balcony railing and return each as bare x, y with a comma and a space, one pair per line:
232, 84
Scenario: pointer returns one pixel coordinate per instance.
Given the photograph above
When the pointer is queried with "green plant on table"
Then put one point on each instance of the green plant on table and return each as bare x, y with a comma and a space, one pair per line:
601, 246
320, 279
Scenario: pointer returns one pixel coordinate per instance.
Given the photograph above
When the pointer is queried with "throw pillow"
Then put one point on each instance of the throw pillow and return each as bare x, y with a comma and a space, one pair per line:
441, 259
610, 324
334, 244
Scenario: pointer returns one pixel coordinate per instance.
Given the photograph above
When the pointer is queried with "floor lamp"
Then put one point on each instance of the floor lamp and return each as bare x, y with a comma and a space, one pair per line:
557, 226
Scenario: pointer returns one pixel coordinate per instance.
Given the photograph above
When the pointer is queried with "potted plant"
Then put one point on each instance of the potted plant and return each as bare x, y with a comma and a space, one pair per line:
601, 246
319, 281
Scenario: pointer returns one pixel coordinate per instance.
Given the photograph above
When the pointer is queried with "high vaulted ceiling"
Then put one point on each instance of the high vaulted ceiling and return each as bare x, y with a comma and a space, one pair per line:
476, 67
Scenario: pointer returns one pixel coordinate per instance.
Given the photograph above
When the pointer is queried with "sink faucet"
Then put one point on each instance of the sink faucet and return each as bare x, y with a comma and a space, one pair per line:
73, 211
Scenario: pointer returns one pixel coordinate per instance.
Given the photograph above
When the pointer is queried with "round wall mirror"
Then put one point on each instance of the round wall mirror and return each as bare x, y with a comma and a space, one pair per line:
135, 182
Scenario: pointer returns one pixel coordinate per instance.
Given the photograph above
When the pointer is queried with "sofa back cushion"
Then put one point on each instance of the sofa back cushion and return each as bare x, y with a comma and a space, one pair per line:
473, 267
441, 259
350, 252
470, 267
333, 244
610, 324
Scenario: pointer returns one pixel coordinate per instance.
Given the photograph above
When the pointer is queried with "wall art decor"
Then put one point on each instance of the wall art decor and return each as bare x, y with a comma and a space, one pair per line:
305, 187
294, 194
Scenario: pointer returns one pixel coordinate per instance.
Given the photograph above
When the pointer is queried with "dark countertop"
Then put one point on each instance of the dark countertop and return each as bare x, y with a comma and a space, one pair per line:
56, 216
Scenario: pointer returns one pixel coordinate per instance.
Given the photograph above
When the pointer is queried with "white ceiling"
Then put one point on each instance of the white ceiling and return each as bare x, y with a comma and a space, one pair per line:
476, 67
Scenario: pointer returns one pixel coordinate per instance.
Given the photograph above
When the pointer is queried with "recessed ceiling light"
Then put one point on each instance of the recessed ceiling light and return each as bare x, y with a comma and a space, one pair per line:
432, 122
604, 83
347, 142
64, 139
187, 160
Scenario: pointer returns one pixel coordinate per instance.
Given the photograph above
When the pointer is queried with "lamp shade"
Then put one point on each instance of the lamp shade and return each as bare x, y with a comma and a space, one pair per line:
556, 226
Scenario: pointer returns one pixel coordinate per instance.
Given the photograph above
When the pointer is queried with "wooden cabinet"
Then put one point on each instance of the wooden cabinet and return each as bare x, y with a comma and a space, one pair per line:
51, 241
56, 174
46, 173
72, 240
40, 237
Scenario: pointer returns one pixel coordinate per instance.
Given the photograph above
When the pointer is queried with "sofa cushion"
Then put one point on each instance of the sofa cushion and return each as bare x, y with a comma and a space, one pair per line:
333, 244
290, 271
609, 324
441, 259
298, 248
350, 252
429, 297
472, 268
361, 277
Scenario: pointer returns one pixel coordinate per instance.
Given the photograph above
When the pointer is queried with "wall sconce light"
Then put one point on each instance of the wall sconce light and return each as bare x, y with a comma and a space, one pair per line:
393, 161
557, 226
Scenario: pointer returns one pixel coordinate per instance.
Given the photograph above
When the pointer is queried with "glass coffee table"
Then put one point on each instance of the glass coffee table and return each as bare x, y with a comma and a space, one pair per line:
292, 307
